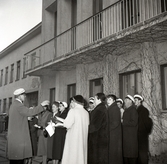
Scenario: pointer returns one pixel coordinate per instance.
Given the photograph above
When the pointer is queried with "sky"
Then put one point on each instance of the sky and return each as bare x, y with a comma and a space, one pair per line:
16, 18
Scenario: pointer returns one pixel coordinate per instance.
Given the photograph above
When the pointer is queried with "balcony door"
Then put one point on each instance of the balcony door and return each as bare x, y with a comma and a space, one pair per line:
97, 19
130, 13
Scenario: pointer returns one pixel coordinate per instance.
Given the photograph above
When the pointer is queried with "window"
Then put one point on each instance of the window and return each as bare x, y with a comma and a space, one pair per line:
33, 60
130, 83
73, 23
71, 91
24, 67
6, 76
10, 101
4, 105
12, 73
1, 82
52, 95
96, 86
18, 70
0, 106
164, 86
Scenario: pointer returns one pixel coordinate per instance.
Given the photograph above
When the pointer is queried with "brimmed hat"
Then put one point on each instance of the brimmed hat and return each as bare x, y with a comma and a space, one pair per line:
91, 100
138, 96
119, 100
19, 91
79, 99
64, 104
130, 97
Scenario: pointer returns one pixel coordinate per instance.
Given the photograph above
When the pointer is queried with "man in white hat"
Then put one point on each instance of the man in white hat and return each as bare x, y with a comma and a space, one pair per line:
19, 142
144, 129
130, 127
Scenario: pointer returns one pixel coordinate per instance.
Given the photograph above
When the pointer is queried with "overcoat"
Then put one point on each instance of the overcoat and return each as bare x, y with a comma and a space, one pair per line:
75, 147
33, 135
130, 130
42, 141
98, 136
115, 134
50, 139
143, 133
19, 142
59, 138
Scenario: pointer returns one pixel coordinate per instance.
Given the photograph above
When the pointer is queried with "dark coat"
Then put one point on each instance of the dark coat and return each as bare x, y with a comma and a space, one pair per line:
42, 141
50, 140
59, 139
143, 133
130, 130
98, 136
33, 135
19, 142
115, 134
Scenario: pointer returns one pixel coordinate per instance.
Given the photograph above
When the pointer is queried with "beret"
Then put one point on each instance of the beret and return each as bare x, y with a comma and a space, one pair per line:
19, 91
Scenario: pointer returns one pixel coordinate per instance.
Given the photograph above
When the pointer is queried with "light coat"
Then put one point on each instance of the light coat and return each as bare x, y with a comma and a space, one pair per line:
75, 148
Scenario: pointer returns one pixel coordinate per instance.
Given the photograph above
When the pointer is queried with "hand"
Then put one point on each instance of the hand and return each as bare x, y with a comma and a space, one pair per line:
46, 102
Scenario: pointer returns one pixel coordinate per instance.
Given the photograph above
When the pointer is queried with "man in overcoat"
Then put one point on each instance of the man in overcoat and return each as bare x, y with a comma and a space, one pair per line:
144, 129
19, 142
130, 130
98, 132
115, 131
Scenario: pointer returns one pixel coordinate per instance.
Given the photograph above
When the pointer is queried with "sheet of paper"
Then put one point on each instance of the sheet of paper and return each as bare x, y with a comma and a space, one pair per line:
50, 129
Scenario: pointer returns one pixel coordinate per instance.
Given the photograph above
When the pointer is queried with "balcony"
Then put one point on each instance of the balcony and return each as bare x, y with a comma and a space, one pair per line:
115, 28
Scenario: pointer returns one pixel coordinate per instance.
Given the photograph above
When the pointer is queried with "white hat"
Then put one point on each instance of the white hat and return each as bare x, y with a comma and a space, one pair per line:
19, 91
64, 104
119, 100
91, 99
138, 96
130, 97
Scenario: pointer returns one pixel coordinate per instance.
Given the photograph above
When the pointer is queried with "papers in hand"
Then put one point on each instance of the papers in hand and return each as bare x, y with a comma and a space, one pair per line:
50, 128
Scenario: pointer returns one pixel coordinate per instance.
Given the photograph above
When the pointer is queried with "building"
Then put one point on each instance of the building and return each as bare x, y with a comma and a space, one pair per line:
105, 46
13, 70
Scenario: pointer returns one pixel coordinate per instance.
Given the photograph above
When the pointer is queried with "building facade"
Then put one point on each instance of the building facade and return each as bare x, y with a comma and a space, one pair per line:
13, 65
105, 46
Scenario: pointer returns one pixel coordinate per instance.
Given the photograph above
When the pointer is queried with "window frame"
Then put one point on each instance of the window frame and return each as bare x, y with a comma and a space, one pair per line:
121, 75
163, 94
12, 73
91, 86
18, 73
71, 87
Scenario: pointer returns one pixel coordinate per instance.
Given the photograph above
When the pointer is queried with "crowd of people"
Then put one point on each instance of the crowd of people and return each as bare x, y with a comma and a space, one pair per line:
103, 130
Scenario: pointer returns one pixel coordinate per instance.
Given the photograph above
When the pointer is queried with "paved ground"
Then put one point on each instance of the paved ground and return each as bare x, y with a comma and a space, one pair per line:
162, 159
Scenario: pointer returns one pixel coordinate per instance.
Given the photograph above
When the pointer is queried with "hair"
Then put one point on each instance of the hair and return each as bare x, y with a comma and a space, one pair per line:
56, 103
112, 96
101, 96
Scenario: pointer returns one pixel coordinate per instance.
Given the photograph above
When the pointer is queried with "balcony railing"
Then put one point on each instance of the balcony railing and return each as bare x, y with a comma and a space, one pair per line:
113, 19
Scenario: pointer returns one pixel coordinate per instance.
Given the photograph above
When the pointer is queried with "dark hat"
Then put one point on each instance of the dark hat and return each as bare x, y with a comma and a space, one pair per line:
79, 99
